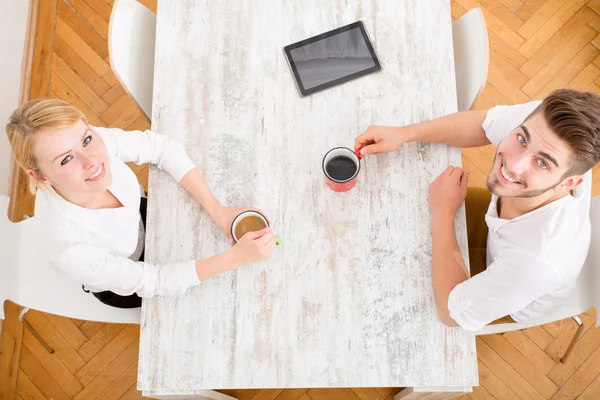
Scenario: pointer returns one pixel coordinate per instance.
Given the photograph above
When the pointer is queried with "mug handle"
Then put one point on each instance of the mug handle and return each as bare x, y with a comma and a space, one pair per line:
357, 152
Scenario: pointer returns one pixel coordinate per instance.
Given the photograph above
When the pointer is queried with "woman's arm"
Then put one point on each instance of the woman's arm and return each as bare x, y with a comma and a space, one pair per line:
193, 182
147, 147
102, 270
150, 147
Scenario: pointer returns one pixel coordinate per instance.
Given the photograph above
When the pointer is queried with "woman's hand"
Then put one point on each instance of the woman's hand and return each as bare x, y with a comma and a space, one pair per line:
225, 215
254, 246
251, 248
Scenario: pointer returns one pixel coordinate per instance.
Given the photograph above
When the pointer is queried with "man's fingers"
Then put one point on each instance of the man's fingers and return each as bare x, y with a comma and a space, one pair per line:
372, 148
457, 171
449, 171
464, 179
365, 139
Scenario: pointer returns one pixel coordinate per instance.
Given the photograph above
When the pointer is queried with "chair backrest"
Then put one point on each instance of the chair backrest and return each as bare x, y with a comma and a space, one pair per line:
585, 294
28, 279
131, 40
592, 263
471, 57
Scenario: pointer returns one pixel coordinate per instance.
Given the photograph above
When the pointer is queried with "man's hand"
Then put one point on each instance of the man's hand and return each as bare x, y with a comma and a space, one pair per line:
380, 139
448, 191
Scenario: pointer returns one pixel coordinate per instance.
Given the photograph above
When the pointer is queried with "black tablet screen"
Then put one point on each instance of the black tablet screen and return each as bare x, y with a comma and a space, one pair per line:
324, 60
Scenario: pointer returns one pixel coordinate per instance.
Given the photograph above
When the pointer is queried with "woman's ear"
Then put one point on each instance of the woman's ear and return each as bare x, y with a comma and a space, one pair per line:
32, 174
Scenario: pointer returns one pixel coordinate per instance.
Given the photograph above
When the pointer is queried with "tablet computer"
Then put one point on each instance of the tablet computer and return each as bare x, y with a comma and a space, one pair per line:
332, 58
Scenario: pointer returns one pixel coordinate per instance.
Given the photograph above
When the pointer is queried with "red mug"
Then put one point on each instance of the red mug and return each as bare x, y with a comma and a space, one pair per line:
341, 167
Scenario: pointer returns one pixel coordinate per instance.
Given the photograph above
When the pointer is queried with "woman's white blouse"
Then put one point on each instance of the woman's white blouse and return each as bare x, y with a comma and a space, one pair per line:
100, 248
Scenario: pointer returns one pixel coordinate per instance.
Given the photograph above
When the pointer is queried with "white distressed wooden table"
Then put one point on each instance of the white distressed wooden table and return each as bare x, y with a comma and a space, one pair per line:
346, 301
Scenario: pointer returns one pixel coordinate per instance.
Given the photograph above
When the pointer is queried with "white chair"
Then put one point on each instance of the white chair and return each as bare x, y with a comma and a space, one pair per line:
28, 280
585, 295
471, 57
131, 39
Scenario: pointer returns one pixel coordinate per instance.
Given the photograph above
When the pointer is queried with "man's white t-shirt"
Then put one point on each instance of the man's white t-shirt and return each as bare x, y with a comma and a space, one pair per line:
533, 260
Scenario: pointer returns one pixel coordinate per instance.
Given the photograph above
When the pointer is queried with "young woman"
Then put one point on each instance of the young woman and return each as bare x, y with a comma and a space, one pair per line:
90, 211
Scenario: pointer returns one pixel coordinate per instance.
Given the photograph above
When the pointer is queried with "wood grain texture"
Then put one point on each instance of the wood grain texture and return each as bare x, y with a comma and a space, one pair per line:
122, 340
347, 299
549, 49
109, 374
56, 369
91, 17
36, 69
521, 364
80, 67
27, 388
42, 52
529, 8
100, 339
431, 393
83, 29
536, 344
58, 343
10, 347
93, 59
37, 373
554, 24
28, 51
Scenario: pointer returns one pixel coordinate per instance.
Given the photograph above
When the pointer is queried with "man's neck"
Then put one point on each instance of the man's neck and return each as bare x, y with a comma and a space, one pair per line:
513, 207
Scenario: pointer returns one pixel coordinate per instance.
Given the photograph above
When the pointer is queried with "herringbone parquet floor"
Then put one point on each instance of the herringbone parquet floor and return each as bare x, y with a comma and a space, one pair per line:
535, 46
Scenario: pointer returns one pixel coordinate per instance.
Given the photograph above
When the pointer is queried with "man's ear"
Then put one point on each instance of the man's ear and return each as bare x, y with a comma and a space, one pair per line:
569, 183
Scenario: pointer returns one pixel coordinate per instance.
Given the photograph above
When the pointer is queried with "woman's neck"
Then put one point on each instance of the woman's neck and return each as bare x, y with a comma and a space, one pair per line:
92, 201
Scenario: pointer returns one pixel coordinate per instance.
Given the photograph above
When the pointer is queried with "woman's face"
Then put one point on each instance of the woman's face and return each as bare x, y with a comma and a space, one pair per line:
73, 160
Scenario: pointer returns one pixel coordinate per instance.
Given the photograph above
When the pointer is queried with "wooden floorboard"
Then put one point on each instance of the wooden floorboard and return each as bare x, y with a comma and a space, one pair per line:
536, 46
10, 345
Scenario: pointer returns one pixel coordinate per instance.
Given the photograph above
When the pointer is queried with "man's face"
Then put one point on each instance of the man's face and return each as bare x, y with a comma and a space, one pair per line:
530, 161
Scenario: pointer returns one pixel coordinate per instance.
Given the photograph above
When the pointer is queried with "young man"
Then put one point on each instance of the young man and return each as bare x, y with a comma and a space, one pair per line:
535, 221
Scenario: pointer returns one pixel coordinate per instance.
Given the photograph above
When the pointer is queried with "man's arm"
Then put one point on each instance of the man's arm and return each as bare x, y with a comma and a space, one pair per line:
447, 266
463, 129
446, 195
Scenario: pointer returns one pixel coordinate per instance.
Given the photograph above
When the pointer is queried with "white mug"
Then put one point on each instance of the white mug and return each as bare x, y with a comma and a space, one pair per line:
246, 214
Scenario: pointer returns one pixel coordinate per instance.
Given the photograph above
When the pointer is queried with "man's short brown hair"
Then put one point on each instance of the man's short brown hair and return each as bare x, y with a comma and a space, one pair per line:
575, 117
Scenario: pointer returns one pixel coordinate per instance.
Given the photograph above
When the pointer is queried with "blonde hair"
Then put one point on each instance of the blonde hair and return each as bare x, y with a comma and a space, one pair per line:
31, 118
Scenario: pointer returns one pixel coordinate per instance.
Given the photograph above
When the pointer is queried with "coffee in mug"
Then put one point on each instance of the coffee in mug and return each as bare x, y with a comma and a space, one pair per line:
341, 166
249, 221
